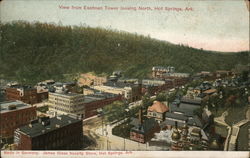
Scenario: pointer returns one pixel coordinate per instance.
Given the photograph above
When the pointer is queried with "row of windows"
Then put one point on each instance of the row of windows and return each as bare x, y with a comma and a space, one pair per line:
18, 116
75, 104
68, 110
16, 123
67, 105
57, 137
133, 134
69, 100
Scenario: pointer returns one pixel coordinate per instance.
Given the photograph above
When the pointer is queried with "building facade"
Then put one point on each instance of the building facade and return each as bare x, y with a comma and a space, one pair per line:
157, 111
185, 138
93, 102
14, 114
25, 94
154, 86
159, 71
67, 103
57, 133
130, 92
144, 130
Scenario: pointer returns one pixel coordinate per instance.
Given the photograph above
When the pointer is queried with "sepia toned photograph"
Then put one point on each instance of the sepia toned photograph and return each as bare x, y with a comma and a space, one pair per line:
124, 78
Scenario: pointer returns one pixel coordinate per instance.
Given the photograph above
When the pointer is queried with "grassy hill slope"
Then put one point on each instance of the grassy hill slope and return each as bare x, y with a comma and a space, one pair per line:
37, 51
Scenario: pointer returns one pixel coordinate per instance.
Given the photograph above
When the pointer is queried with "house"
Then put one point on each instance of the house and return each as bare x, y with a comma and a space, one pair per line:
157, 111
58, 133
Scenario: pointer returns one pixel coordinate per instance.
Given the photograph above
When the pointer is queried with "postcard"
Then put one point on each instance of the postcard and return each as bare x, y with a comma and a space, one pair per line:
125, 78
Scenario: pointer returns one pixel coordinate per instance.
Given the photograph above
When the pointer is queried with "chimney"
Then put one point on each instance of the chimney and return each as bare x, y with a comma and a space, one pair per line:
140, 116
176, 124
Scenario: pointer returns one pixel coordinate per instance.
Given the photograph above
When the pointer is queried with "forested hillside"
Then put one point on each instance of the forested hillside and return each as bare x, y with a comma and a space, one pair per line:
37, 51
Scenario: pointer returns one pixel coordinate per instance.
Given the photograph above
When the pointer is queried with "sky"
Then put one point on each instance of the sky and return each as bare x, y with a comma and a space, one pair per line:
219, 25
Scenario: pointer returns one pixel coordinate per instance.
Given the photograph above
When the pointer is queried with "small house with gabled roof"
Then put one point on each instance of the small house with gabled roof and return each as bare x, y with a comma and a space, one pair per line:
157, 111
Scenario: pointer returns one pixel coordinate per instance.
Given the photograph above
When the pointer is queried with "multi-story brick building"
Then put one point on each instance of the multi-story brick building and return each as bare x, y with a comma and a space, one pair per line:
154, 86
14, 114
130, 91
25, 94
178, 79
42, 95
159, 71
168, 73
96, 101
57, 133
66, 103
144, 130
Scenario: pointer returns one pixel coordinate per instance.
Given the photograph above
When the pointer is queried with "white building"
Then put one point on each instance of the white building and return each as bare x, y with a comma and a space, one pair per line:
67, 103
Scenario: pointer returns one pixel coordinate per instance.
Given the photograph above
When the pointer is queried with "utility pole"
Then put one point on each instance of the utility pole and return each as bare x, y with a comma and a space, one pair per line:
124, 138
106, 132
100, 112
107, 141
102, 123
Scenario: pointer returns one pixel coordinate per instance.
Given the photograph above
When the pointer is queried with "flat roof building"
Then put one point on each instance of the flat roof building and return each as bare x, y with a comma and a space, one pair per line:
25, 94
130, 91
67, 103
58, 133
14, 114
93, 102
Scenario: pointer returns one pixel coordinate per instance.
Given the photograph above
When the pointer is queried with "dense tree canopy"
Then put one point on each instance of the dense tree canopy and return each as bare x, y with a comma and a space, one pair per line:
31, 52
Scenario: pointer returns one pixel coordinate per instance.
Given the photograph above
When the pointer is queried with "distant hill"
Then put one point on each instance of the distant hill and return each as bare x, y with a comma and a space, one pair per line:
38, 51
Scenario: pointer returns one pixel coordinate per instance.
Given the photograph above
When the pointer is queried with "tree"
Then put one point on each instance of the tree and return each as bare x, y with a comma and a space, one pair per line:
161, 97
146, 101
172, 96
41, 51
115, 111
244, 75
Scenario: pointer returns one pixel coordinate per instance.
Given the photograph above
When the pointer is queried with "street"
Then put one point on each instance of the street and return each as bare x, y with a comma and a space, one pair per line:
104, 140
